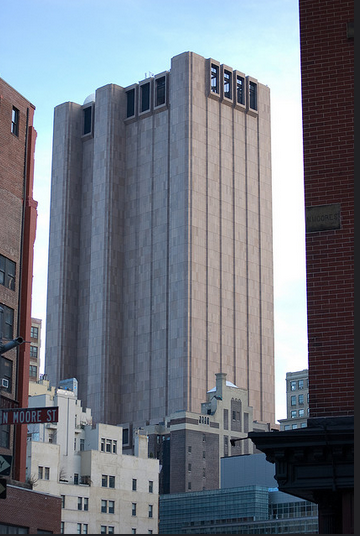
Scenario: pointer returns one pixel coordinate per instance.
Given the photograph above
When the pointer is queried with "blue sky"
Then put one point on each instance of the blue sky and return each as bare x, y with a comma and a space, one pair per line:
53, 51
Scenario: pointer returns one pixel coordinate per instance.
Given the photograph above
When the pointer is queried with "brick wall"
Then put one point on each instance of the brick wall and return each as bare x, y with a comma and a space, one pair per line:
26, 508
328, 129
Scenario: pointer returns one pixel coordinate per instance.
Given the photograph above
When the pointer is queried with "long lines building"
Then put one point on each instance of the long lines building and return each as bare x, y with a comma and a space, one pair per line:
160, 256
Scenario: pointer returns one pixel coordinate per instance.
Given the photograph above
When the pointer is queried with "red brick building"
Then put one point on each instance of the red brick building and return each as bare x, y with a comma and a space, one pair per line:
22, 508
317, 462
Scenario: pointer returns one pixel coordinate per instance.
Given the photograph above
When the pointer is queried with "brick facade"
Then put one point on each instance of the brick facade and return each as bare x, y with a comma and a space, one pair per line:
328, 130
17, 236
28, 509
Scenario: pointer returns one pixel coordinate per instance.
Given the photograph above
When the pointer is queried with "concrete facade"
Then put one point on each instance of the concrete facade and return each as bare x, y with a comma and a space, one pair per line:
160, 255
84, 465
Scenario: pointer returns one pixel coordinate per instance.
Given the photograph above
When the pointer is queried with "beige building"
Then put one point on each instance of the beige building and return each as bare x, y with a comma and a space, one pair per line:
103, 491
160, 252
35, 345
297, 400
190, 446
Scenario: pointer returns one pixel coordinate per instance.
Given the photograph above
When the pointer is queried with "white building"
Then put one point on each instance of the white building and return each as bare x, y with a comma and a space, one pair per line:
103, 491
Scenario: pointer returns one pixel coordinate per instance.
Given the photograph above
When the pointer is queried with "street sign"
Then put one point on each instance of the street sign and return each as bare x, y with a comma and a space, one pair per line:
2, 488
29, 415
5, 464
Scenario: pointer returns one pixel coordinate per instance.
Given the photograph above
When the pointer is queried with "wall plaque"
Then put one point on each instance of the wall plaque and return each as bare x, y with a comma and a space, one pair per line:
322, 218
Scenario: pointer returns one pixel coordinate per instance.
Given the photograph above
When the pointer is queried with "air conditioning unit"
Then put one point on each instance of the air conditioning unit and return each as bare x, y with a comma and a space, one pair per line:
5, 383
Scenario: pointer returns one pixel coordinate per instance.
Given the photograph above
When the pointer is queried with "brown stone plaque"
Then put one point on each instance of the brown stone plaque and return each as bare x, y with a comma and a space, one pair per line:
322, 218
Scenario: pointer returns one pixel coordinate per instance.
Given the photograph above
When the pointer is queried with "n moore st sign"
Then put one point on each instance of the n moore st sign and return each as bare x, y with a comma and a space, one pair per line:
29, 415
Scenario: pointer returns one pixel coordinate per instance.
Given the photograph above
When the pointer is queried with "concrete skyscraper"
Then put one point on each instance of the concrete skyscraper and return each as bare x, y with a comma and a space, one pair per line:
160, 254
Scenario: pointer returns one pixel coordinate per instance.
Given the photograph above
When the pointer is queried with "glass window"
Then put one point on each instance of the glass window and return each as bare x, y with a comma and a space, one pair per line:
189, 467
134, 484
40, 472
160, 91
6, 373
86, 504
108, 445
111, 481
111, 530
114, 446
145, 97
33, 351
62, 501
102, 446
104, 481
151, 486
214, 78
293, 400
7, 321
15, 121
293, 414
80, 503
301, 399
47, 473
125, 434
133, 509
240, 93
301, 412
78, 528
85, 528
150, 510
34, 332
293, 386
103, 529
82, 444
227, 84
130, 102
111, 507
103, 506
301, 384
7, 272
76, 479
33, 371
253, 95
87, 120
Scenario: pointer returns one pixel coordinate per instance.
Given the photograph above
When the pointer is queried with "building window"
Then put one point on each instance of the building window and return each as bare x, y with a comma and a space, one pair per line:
33, 371
102, 447
62, 527
34, 332
130, 103
111, 530
47, 473
111, 507
74, 443
133, 509
253, 95
40, 472
62, 501
189, 485
301, 384
293, 400
7, 272
293, 385
7, 321
301, 412
6, 374
151, 486
204, 454
86, 504
114, 446
80, 503
111, 481
189, 449
294, 414
108, 445
189, 467
76, 479
240, 93
87, 120
150, 510
82, 444
227, 84
214, 78
133, 531
134, 484
301, 400
104, 481
15, 121
103, 506
85, 528
145, 97
160, 91
125, 435
33, 352
103, 529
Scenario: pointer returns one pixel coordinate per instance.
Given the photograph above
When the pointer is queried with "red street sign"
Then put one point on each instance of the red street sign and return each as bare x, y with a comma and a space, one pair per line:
29, 415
